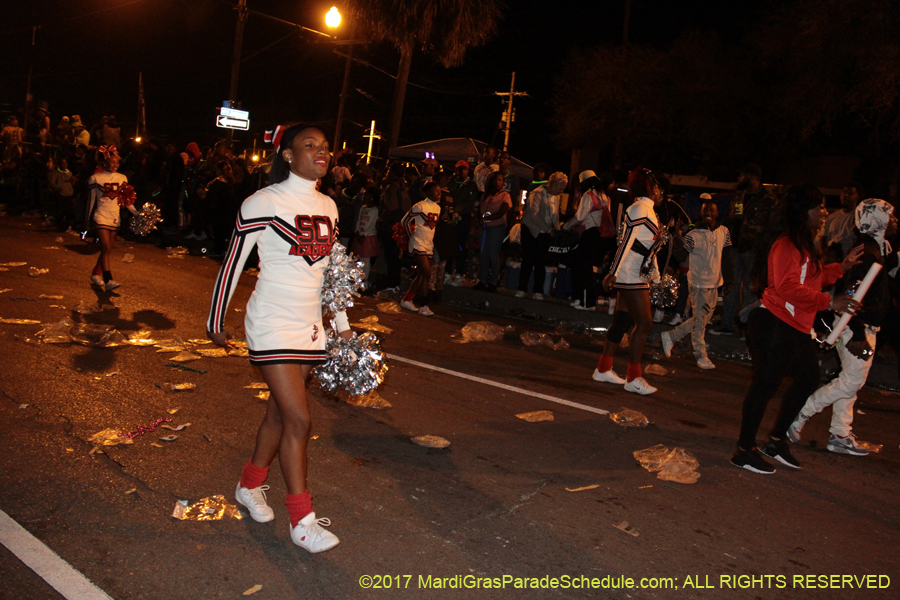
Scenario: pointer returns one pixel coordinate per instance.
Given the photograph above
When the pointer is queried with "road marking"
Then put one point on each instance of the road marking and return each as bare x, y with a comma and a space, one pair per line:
46, 563
502, 386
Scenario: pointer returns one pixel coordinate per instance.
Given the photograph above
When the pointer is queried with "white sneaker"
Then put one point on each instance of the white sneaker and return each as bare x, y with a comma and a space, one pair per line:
793, 432
97, 280
310, 535
201, 237
639, 386
576, 304
409, 305
667, 343
676, 320
579, 307
425, 311
255, 502
705, 363
658, 315
607, 377
448, 278
538, 296
519, 294
111, 285
456, 281
191, 236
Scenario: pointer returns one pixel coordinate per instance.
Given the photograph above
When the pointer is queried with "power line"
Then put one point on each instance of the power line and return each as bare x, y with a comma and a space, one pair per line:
72, 18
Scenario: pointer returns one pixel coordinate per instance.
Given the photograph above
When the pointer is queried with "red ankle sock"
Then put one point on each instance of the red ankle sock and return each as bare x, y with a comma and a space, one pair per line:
298, 505
97, 271
409, 296
633, 372
253, 476
605, 363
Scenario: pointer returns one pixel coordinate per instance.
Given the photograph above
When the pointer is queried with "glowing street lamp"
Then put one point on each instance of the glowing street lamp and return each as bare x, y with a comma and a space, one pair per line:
333, 17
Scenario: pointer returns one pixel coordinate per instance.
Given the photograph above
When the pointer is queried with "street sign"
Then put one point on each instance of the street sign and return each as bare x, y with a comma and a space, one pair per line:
232, 123
230, 118
233, 112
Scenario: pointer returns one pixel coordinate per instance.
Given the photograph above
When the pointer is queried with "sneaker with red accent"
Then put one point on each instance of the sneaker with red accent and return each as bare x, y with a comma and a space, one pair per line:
408, 305
639, 385
97, 280
310, 534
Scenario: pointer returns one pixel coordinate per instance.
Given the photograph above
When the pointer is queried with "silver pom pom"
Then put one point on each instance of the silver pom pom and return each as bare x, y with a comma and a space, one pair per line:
146, 221
665, 293
356, 365
344, 279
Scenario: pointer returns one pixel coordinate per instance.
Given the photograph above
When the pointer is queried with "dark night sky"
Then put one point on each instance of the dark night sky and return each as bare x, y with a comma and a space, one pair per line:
87, 62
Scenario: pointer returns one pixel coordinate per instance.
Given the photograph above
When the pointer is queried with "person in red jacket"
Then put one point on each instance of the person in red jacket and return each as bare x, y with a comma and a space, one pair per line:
779, 331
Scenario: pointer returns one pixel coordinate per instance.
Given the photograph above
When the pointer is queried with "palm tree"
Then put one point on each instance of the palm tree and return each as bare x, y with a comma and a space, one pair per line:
443, 28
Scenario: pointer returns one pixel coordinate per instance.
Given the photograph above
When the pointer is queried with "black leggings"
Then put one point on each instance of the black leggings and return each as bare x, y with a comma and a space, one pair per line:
777, 350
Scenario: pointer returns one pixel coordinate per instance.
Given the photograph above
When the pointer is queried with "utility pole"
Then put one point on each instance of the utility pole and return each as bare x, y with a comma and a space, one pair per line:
236, 59
509, 114
28, 98
344, 89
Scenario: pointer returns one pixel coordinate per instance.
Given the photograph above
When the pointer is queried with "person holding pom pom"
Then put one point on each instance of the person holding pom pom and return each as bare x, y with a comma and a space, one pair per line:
294, 228
109, 191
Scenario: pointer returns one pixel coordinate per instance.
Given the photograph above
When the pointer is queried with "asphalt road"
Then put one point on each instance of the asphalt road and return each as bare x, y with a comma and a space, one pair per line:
492, 504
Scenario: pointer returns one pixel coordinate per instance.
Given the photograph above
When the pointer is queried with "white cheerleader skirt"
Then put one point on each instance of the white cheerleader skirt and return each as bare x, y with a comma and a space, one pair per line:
107, 215
284, 325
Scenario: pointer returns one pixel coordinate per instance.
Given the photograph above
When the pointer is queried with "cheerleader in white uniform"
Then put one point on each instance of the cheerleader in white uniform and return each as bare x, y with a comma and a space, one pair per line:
419, 224
109, 193
294, 228
633, 268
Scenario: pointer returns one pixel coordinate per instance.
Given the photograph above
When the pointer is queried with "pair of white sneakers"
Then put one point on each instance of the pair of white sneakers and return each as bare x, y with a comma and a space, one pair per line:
668, 343
108, 286
309, 533
422, 310
637, 385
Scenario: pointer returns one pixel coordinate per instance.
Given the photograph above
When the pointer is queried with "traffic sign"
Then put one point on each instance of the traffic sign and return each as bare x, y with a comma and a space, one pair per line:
227, 122
233, 112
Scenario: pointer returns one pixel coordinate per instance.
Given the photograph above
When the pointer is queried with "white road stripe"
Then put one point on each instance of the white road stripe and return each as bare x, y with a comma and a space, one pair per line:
503, 386
46, 563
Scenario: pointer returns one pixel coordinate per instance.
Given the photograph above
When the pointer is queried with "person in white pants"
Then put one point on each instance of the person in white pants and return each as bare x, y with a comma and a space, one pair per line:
705, 246
875, 221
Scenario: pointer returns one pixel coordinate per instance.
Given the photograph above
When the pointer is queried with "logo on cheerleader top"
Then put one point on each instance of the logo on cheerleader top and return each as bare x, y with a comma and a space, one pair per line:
315, 334
311, 236
430, 220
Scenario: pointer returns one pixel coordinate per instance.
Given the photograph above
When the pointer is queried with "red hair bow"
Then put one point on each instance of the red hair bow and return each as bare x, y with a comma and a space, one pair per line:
108, 150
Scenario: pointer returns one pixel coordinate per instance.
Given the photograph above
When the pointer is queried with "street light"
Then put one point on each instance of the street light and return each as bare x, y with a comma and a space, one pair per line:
333, 17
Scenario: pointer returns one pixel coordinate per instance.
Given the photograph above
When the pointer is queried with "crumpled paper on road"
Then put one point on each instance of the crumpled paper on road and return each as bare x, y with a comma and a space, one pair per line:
390, 307
675, 465
212, 352
431, 441
213, 508
370, 400
371, 324
20, 321
97, 336
484, 331
57, 333
629, 418
109, 437
656, 370
536, 416
35, 272
185, 357
532, 338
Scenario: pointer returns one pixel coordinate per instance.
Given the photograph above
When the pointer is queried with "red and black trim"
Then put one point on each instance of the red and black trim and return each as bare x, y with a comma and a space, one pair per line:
287, 356
231, 270
631, 228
